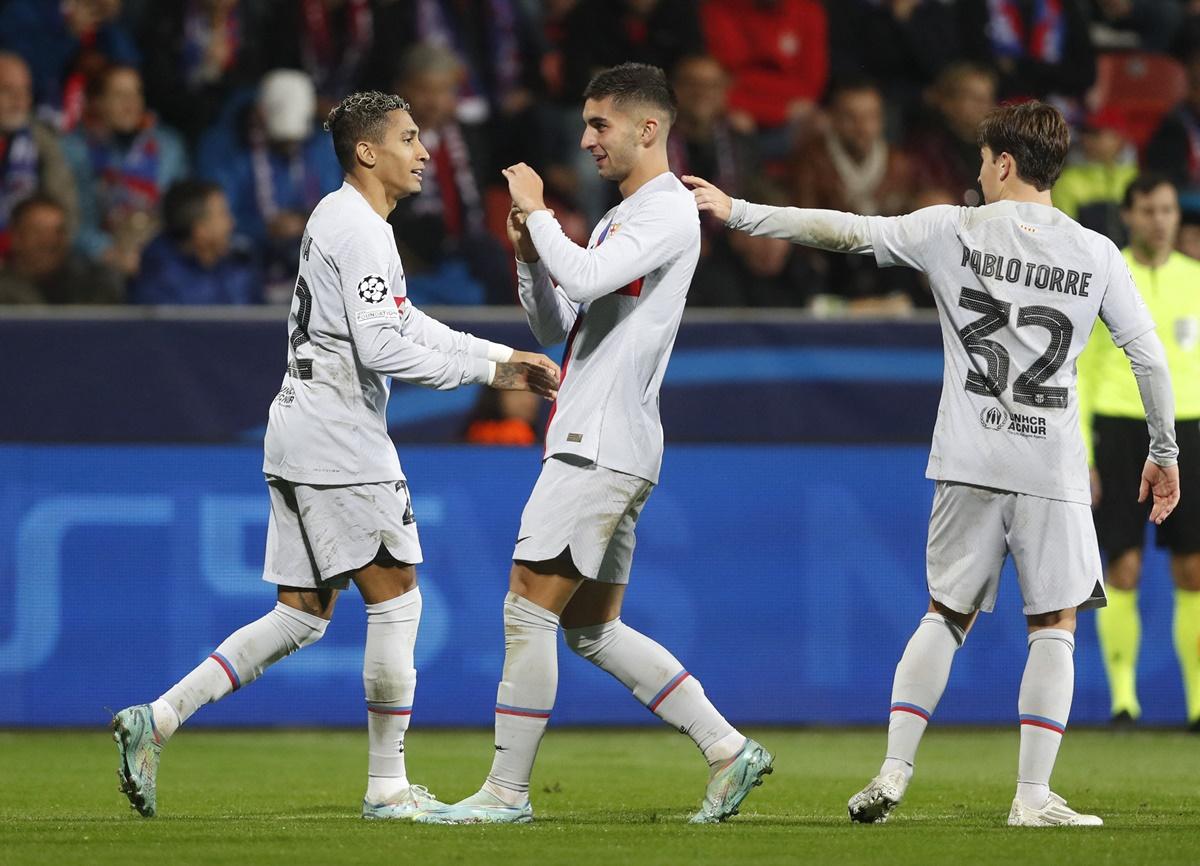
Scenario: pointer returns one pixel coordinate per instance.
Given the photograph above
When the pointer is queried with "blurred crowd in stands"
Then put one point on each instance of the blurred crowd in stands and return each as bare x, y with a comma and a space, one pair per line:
169, 151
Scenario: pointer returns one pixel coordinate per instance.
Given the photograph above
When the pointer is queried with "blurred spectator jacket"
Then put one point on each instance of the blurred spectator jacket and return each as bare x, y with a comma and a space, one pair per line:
32, 160
172, 275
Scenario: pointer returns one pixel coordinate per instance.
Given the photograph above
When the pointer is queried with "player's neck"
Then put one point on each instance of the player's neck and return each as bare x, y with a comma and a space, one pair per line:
373, 191
1149, 257
1025, 193
651, 167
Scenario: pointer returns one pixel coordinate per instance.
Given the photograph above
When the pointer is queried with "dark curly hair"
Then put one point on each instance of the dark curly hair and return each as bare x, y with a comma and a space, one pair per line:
360, 117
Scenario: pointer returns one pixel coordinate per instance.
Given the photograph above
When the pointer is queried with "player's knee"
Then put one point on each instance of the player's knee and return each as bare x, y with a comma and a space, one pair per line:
302, 628
590, 642
384, 682
957, 630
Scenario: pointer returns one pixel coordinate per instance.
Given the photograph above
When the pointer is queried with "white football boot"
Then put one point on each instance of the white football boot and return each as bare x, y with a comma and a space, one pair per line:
874, 803
1056, 813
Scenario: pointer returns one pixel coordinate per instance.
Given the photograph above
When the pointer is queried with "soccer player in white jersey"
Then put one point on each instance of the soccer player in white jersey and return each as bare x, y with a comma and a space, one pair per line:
618, 304
1018, 287
340, 507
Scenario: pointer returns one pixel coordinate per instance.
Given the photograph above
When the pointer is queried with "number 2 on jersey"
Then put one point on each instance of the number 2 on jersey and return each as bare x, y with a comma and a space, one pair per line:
301, 369
1028, 389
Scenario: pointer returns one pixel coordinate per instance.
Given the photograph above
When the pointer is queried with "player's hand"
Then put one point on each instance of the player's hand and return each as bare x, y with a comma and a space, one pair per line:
519, 237
1163, 483
709, 199
539, 376
525, 187
1097, 490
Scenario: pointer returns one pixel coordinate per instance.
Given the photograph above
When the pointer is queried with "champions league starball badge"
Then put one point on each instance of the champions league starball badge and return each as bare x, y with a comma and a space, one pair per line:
373, 289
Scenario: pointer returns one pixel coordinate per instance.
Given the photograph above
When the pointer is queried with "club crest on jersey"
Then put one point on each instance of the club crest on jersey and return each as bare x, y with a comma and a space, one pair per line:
373, 288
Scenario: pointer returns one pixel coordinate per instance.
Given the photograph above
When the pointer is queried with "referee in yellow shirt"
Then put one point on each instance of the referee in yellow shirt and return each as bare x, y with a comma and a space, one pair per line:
1115, 432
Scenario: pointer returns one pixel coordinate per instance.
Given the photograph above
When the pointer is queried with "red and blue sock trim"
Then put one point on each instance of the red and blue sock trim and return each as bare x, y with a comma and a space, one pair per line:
386, 710
525, 712
228, 668
666, 690
1043, 722
903, 707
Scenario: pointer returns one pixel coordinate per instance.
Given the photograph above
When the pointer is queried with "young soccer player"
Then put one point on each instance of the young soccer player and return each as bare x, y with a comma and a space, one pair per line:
618, 304
1018, 286
340, 507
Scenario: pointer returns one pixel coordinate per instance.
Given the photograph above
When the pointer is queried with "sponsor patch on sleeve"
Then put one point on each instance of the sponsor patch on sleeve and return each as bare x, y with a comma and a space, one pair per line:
382, 313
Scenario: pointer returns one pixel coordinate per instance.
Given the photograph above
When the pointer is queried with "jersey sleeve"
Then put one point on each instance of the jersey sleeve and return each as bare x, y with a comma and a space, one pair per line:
914, 240
657, 231
547, 308
1086, 369
432, 334
374, 322
1122, 308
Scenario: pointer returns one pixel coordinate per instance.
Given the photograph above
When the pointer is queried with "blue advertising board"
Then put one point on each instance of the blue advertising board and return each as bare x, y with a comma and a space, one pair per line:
787, 578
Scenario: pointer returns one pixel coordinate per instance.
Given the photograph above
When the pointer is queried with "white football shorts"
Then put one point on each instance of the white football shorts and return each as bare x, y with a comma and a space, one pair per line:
973, 529
317, 534
587, 508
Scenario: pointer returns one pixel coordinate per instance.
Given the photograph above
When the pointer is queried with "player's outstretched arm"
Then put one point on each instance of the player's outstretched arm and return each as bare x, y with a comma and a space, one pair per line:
548, 310
824, 229
1160, 476
429, 332
539, 375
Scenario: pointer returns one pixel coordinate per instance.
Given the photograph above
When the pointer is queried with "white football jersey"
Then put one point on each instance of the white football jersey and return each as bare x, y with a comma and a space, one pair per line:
1018, 287
350, 328
618, 304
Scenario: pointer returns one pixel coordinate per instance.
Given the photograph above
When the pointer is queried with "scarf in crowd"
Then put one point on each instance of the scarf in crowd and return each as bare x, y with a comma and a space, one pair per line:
451, 191
860, 180
1013, 36
127, 176
727, 167
199, 33
435, 24
18, 176
304, 186
332, 62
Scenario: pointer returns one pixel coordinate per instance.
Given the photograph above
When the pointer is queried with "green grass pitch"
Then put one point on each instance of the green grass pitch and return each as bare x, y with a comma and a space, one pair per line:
605, 797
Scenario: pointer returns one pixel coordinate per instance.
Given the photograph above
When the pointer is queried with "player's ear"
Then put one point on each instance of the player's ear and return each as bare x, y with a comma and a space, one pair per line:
650, 130
365, 153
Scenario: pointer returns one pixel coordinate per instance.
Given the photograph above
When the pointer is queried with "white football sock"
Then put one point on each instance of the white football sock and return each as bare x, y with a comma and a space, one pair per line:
389, 680
1044, 705
525, 696
659, 681
239, 660
921, 678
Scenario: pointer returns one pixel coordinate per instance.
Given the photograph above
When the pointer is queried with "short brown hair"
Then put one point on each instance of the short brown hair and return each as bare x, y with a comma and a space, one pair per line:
1034, 134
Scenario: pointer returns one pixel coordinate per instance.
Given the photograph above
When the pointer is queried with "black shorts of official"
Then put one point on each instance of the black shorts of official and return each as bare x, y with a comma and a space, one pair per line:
1121, 446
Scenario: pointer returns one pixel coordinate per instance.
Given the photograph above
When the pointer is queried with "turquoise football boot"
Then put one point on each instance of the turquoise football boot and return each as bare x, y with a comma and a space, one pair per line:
140, 747
403, 808
480, 808
732, 781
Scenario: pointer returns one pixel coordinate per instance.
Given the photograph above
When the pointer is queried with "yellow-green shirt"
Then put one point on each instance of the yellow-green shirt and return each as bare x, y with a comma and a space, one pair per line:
1090, 182
1106, 384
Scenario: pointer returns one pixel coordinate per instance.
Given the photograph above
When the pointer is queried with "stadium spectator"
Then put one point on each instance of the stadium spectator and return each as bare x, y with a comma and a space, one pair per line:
851, 167
123, 161
331, 40
500, 419
1189, 234
702, 141
902, 44
31, 159
203, 51
603, 33
1090, 190
745, 271
777, 52
449, 258
1037, 48
1146, 25
194, 261
65, 43
41, 267
1174, 149
274, 167
944, 152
